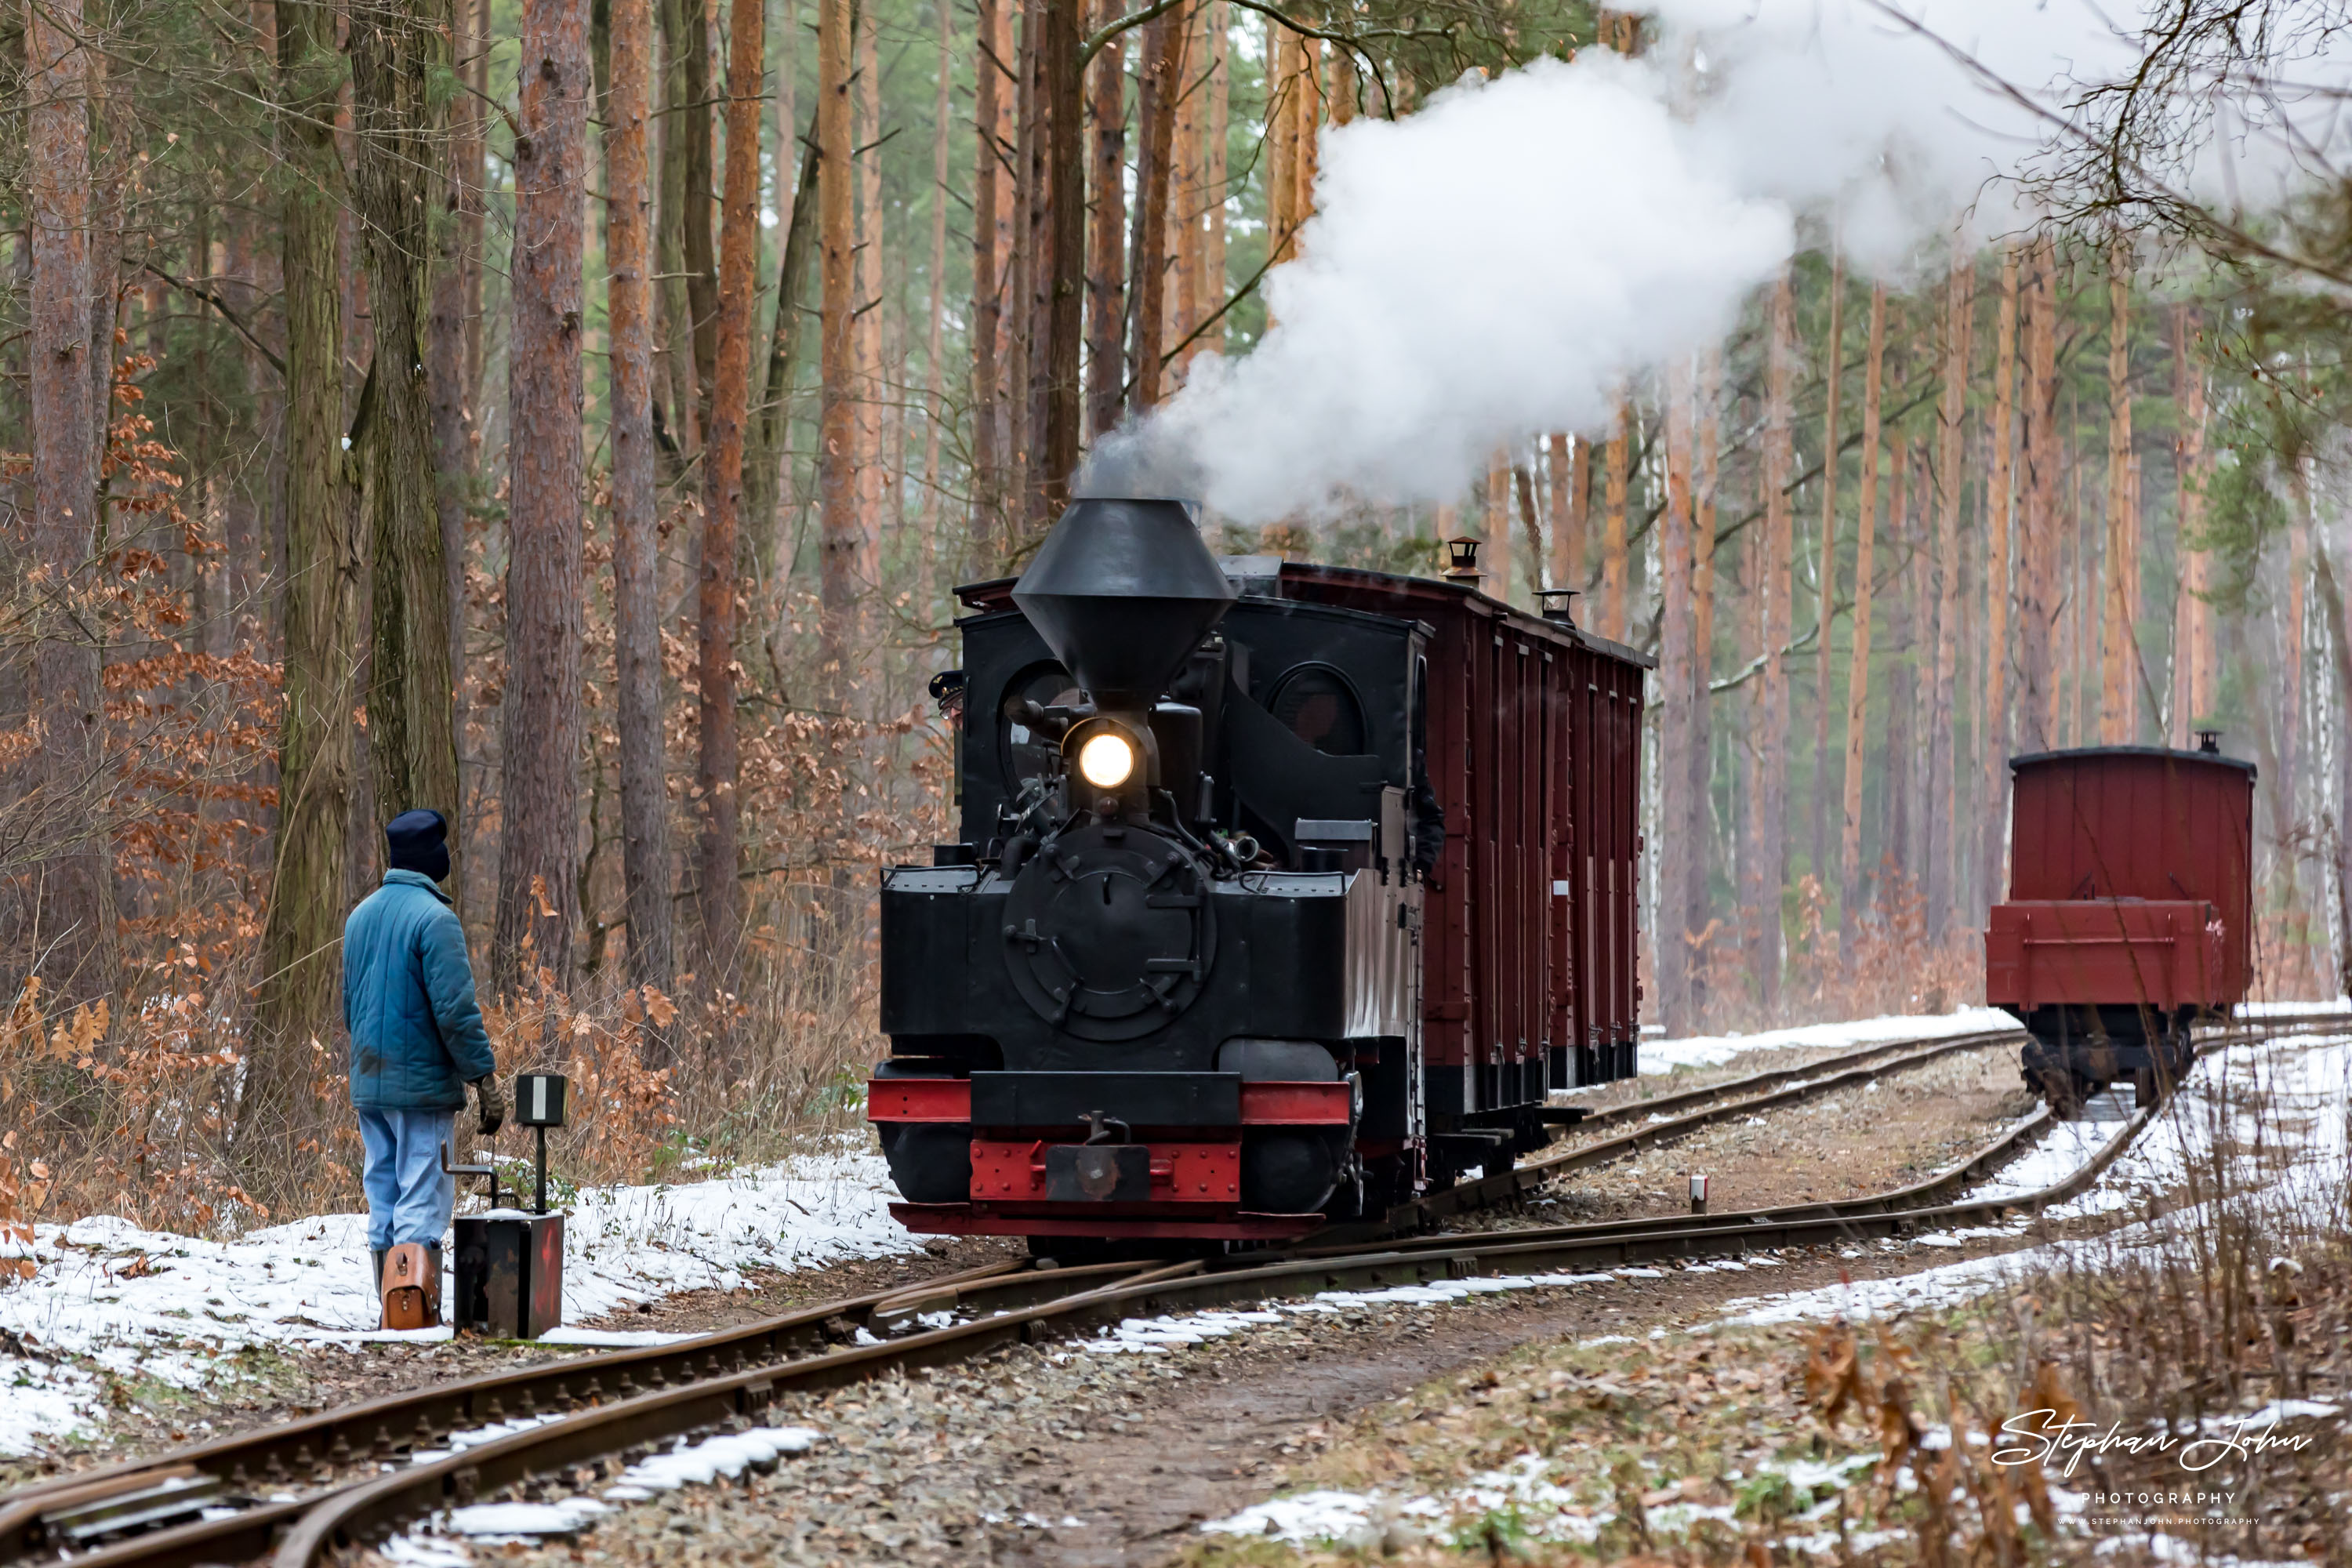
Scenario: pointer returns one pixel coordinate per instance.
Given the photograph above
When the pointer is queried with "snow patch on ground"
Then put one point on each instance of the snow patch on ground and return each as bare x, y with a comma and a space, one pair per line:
1713, 1050
109, 1300
442, 1540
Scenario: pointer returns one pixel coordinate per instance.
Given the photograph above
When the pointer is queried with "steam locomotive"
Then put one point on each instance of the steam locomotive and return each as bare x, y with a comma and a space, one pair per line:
2129, 911
1283, 893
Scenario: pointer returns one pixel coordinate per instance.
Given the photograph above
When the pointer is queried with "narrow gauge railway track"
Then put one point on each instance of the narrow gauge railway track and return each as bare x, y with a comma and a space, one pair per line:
590, 1408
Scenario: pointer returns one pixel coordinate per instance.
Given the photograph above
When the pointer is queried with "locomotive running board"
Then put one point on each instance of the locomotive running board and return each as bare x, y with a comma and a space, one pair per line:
964, 1219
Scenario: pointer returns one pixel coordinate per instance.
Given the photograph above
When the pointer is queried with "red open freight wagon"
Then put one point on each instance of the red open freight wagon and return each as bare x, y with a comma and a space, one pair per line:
2129, 914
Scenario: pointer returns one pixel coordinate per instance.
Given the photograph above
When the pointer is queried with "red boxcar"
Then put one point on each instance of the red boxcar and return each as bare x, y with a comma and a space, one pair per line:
1535, 733
2129, 909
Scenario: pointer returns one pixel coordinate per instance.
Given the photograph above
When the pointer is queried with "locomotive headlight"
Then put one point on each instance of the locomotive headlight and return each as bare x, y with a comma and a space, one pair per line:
1107, 761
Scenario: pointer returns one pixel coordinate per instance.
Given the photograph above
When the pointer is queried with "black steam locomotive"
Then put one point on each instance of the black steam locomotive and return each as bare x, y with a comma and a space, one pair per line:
1170, 981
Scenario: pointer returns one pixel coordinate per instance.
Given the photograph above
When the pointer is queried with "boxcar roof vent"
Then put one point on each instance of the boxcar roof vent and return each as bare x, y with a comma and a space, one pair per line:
1253, 576
1122, 591
2210, 741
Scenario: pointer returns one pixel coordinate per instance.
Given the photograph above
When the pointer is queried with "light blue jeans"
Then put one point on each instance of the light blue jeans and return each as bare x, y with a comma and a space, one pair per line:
409, 1197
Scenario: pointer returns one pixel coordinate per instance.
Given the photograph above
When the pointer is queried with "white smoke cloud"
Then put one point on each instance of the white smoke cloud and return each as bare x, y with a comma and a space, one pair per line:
1506, 259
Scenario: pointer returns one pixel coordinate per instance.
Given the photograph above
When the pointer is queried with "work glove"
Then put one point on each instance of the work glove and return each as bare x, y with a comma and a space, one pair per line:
490, 1102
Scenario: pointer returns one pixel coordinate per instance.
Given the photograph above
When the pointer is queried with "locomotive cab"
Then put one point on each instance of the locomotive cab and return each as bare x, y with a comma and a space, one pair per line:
1168, 983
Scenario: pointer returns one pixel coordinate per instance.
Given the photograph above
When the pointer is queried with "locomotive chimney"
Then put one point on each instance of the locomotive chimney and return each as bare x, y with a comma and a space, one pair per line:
1122, 591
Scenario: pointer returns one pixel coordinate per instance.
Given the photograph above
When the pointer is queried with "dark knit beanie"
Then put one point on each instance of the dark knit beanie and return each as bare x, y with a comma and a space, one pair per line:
418, 841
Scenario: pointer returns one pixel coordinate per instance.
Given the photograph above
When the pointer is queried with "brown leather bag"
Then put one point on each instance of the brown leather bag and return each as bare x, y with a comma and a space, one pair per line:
412, 1287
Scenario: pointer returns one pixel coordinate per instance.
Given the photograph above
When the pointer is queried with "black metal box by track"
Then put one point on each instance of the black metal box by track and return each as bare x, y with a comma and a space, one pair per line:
510, 1271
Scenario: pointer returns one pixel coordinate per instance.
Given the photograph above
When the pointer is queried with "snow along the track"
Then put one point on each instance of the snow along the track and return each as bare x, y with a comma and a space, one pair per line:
110, 1301
1713, 1050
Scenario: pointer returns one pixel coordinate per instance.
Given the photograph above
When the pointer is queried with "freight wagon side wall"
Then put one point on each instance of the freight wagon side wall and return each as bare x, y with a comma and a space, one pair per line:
2139, 823
1534, 737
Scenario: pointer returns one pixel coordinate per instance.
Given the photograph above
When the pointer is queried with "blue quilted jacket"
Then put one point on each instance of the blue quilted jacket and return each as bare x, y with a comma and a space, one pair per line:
408, 1000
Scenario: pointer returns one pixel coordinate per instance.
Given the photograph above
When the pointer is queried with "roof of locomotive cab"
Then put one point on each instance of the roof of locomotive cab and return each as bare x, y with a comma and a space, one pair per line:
996, 594
2091, 754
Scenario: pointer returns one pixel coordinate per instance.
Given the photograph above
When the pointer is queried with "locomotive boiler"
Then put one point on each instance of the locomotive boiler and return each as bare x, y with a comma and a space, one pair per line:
2129, 913
1267, 906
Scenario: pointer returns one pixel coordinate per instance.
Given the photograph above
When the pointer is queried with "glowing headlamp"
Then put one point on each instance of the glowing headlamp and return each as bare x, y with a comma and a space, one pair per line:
1107, 761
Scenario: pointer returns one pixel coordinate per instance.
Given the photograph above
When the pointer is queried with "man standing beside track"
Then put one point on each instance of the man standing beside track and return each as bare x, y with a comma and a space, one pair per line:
416, 1041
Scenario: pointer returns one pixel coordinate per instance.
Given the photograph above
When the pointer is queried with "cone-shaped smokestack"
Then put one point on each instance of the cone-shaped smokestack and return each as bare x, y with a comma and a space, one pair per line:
1122, 591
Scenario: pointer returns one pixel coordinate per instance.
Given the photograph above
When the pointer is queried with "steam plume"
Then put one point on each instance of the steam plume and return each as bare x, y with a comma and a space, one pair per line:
1505, 260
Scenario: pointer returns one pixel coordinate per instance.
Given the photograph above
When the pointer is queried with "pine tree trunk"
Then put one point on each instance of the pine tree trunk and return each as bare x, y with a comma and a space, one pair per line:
1699, 898
538, 860
1677, 658
636, 600
866, 336
1942, 814
2119, 662
1495, 556
300, 997
1895, 780
1826, 575
1992, 803
1185, 306
699, 252
1857, 700
673, 372
935, 407
2193, 637
840, 536
763, 450
1565, 465
717, 764
2040, 448
399, 56
1064, 397
1105, 265
1156, 90
1218, 87
67, 419
990, 155
446, 362
1613, 523
1768, 869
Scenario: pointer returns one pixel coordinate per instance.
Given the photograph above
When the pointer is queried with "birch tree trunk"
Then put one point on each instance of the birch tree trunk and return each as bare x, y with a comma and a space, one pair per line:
1768, 867
636, 600
716, 764
299, 998
2119, 662
1105, 265
840, 536
1857, 698
399, 56
538, 860
1992, 803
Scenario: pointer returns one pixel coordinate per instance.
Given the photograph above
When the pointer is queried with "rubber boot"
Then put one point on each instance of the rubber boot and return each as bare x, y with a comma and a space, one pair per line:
376, 1274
